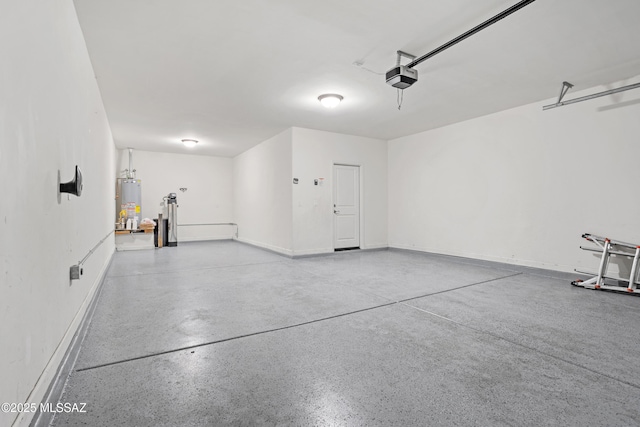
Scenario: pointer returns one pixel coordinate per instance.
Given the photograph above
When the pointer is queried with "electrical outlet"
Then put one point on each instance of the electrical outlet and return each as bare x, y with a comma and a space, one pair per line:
75, 272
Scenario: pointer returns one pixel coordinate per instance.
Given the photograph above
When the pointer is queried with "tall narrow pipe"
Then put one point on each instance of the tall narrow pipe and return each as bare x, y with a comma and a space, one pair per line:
471, 32
130, 171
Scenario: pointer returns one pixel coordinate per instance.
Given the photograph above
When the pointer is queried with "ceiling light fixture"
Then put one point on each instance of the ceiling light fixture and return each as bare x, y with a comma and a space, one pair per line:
330, 100
189, 142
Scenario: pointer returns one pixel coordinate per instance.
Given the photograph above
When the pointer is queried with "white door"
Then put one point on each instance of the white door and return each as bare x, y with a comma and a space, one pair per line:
346, 206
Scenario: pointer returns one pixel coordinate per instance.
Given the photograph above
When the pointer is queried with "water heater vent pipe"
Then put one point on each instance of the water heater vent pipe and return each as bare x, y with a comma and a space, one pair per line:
131, 172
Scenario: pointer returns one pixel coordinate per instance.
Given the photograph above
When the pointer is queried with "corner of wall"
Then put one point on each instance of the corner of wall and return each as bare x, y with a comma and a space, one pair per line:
262, 193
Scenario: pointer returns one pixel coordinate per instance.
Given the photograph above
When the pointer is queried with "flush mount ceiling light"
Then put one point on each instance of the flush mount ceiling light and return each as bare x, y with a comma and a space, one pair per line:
189, 142
330, 100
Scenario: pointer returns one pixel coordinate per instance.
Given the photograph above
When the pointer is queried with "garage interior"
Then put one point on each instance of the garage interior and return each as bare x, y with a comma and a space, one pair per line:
403, 258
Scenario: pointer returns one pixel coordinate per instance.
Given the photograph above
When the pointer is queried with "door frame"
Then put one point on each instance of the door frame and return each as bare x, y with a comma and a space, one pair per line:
360, 196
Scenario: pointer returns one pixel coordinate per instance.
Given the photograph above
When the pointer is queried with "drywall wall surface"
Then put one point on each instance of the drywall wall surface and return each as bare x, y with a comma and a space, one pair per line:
51, 119
314, 154
207, 196
262, 194
522, 185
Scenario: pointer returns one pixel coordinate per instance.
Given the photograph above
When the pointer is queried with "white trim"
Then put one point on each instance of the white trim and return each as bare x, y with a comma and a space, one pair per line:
48, 375
204, 238
511, 261
279, 250
375, 246
318, 251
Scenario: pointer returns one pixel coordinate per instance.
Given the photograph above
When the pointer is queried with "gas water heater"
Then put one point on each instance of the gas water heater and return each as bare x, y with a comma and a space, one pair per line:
128, 199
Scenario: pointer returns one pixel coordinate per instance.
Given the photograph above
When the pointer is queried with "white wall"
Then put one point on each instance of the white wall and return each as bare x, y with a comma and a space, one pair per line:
51, 118
314, 153
522, 185
208, 198
262, 194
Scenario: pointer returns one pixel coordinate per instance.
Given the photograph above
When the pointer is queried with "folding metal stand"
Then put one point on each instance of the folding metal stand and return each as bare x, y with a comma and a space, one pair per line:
610, 247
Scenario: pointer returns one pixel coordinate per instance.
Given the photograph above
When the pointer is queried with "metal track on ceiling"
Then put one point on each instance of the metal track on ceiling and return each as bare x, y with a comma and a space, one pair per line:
471, 32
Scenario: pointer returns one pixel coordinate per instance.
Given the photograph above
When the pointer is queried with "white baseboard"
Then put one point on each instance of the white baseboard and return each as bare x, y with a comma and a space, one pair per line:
62, 360
272, 248
483, 257
375, 246
203, 239
310, 252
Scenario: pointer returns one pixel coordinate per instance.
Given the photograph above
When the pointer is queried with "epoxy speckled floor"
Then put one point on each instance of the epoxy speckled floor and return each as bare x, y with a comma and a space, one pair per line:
222, 333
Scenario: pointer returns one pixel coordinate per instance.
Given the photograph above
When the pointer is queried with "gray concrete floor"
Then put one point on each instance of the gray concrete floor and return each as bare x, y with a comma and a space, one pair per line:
221, 333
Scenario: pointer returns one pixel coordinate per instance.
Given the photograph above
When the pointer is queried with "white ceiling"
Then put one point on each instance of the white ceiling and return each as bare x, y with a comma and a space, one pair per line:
234, 73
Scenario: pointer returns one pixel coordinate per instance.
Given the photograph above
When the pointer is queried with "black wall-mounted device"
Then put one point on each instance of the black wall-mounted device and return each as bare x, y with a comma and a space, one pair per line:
74, 186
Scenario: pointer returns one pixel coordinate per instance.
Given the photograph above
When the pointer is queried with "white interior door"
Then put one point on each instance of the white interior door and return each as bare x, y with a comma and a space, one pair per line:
346, 206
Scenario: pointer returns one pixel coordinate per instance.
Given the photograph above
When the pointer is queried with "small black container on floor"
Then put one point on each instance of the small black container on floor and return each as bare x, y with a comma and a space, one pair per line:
162, 231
